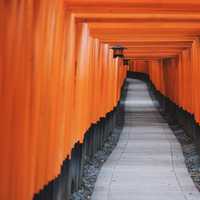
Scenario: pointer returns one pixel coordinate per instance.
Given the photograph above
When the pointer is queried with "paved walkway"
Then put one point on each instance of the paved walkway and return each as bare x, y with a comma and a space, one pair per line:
147, 163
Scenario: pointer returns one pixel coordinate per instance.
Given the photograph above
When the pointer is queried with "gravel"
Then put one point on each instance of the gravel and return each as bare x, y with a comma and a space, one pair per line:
192, 157
93, 166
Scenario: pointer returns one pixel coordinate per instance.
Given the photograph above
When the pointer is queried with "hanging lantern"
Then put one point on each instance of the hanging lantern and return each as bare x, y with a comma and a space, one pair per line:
126, 61
118, 51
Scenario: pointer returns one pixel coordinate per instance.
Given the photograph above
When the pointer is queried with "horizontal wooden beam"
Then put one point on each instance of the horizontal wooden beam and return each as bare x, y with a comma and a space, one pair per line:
147, 48
158, 54
136, 17
148, 36
150, 57
156, 51
155, 44
134, 5
144, 59
147, 29
146, 40
146, 25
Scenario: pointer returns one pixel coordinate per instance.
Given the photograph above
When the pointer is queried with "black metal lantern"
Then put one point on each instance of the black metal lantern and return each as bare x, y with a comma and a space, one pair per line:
126, 61
118, 51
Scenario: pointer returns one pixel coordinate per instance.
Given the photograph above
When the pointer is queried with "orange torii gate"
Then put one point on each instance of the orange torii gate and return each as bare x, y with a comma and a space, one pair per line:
56, 65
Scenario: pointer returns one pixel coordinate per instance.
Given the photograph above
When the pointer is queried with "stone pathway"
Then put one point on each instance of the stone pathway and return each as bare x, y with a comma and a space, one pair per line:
147, 163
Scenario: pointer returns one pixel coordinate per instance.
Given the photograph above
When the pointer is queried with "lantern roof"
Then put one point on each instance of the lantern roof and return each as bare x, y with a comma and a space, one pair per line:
118, 47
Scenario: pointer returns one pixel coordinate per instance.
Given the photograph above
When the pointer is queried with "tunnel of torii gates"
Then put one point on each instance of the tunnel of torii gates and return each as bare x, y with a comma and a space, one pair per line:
58, 75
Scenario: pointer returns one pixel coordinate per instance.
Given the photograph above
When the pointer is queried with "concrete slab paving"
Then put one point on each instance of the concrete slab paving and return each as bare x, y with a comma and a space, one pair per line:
147, 163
